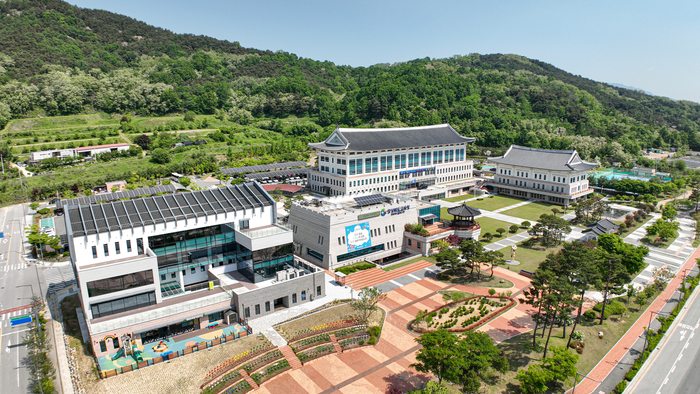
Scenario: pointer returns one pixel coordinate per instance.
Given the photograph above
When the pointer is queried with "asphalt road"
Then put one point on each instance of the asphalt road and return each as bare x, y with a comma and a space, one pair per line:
674, 366
18, 281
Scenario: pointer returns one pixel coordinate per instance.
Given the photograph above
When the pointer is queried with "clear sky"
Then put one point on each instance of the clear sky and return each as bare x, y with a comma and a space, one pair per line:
650, 45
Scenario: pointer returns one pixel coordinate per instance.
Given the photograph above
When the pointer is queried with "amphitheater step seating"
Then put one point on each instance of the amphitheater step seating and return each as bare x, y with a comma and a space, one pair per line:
375, 276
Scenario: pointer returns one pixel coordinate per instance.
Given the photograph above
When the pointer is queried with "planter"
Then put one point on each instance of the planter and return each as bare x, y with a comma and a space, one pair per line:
483, 320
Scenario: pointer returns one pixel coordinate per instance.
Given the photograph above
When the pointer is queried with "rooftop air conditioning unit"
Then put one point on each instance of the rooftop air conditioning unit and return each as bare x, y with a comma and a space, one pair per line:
281, 275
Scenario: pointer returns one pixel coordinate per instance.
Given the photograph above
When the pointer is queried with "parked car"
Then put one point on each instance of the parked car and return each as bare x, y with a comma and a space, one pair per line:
54, 201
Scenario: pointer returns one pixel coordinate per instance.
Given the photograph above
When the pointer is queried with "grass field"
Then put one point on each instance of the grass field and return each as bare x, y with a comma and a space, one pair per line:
532, 211
489, 225
459, 198
483, 280
520, 352
529, 257
494, 202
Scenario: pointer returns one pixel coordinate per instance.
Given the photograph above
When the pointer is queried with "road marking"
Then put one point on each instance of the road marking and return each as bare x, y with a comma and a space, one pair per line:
680, 356
686, 345
682, 334
674, 368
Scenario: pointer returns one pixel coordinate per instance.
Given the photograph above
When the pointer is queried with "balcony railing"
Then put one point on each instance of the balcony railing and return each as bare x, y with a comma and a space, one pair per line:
265, 232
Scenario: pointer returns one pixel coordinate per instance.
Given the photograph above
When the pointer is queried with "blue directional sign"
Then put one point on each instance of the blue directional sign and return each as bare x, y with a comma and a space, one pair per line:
2, 235
15, 321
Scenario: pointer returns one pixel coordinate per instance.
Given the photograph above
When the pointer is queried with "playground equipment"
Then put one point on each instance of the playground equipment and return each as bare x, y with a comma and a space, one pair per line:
136, 352
118, 354
160, 347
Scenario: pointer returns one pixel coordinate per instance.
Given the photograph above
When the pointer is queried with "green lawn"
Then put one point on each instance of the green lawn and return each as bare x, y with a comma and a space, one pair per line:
533, 211
459, 198
520, 352
494, 202
664, 244
483, 280
489, 225
356, 267
529, 258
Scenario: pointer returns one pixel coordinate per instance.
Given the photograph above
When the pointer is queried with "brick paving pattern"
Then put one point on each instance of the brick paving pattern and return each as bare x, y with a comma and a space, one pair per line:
375, 276
375, 369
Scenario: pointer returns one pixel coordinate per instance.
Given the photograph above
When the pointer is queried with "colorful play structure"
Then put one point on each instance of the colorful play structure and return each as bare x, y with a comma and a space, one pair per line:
160, 347
129, 347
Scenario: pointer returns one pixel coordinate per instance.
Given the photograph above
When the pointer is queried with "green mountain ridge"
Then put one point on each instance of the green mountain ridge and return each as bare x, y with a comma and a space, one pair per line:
59, 59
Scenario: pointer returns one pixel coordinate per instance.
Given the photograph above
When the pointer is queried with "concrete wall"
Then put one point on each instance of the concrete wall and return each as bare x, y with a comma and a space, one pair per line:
287, 288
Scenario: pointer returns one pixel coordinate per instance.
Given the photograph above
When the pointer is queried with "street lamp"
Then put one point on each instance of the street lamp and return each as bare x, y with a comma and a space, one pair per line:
576, 380
646, 332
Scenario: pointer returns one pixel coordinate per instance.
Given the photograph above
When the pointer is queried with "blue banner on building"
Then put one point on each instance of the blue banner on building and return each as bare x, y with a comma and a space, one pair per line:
358, 236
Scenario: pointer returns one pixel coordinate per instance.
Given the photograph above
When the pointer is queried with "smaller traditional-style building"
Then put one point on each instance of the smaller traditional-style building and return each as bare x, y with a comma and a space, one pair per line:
603, 226
554, 176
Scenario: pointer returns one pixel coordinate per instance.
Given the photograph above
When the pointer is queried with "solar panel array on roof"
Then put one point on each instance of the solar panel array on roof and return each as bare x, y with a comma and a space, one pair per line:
149, 191
281, 173
116, 215
262, 167
370, 200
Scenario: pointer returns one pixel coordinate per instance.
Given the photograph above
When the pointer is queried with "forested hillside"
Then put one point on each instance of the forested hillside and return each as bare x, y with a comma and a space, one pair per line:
57, 59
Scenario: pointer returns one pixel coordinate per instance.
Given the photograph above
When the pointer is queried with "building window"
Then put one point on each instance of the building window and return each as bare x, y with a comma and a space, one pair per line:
116, 248
247, 312
139, 246
184, 272
418, 244
106, 249
267, 306
94, 252
173, 275
128, 246
103, 346
314, 253
257, 309
193, 271
202, 268
410, 242
162, 277
303, 295
123, 304
244, 223
118, 283
294, 298
318, 290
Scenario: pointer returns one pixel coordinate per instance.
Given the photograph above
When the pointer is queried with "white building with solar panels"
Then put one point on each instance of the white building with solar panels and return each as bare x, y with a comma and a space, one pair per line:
361, 161
162, 267
338, 231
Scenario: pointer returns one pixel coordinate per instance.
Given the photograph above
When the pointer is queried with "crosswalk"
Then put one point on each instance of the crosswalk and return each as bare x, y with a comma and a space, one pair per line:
13, 267
6, 317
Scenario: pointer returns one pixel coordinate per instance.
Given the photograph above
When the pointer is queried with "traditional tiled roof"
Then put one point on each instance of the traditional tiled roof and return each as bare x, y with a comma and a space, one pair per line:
545, 159
362, 140
464, 211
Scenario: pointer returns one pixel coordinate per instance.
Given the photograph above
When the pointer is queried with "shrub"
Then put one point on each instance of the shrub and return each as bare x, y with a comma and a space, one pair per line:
621, 387
372, 340
375, 331
44, 211
492, 291
590, 314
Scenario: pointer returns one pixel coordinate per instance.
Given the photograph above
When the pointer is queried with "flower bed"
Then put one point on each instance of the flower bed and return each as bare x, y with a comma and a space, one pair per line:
316, 352
238, 388
353, 341
221, 383
325, 337
270, 371
223, 368
321, 328
468, 314
265, 359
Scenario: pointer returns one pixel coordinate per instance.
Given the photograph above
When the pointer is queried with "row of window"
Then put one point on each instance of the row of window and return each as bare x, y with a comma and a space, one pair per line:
117, 248
410, 243
268, 304
542, 177
122, 304
517, 182
119, 283
397, 162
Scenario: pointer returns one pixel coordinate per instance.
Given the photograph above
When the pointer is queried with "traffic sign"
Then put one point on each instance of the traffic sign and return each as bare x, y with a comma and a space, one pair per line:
15, 321
2, 235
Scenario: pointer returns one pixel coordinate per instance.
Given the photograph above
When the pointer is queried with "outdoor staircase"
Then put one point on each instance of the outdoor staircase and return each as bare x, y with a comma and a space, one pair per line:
291, 358
336, 345
375, 276
248, 379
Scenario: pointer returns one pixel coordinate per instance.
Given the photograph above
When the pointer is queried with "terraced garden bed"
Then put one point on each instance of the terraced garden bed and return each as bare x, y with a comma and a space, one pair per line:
464, 315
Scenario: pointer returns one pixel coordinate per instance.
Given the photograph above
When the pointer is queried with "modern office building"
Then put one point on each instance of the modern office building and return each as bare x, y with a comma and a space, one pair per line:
156, 267
342, 230
554, 176
357, 161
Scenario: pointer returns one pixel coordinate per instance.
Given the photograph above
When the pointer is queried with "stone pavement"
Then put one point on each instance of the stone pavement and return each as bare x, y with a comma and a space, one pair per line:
616, 354
375, 369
